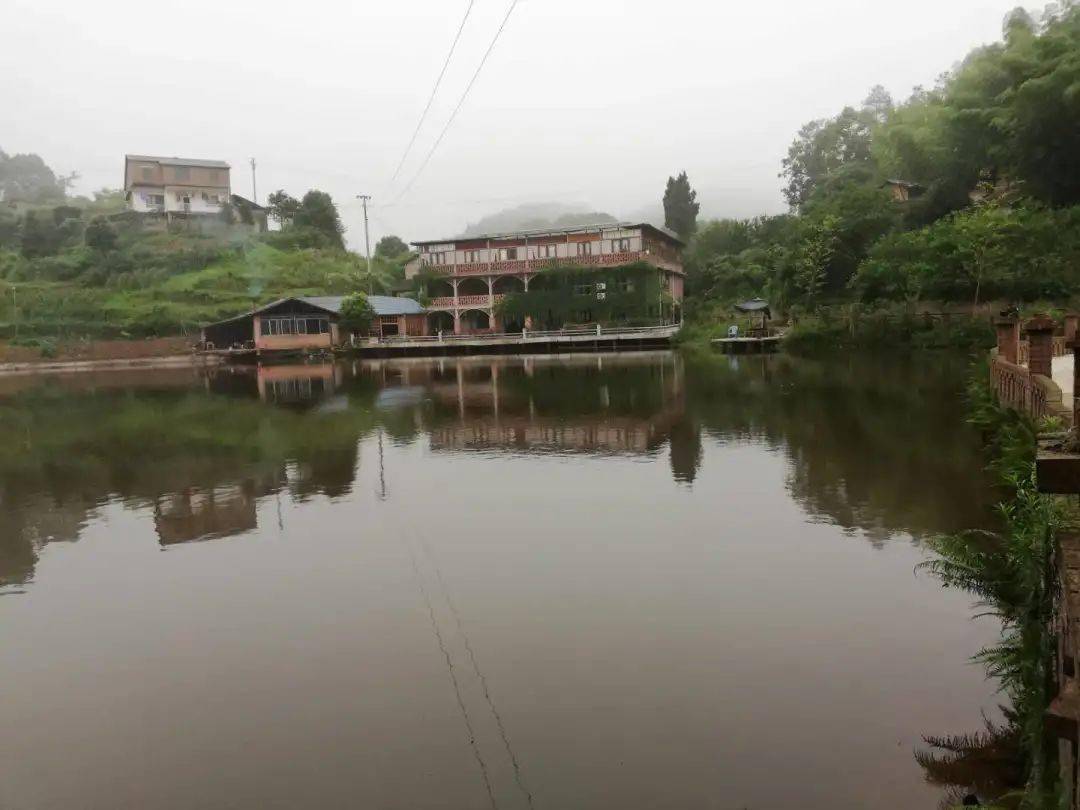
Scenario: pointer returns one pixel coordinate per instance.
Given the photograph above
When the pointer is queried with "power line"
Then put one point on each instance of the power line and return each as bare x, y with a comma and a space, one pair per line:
434, 90
461, 101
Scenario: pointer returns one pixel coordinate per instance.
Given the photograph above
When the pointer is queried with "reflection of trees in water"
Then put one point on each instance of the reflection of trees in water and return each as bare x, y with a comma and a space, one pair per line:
875, 444
200, 462
987, 764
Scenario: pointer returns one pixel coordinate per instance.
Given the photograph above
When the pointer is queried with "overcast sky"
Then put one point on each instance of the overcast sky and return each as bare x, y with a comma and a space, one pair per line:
591, 102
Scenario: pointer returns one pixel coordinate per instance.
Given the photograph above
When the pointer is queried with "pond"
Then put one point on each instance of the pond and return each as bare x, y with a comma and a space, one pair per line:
593, 581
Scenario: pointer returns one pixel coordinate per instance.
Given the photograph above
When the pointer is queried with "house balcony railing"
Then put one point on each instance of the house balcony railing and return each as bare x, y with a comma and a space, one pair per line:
513, 266
449, 302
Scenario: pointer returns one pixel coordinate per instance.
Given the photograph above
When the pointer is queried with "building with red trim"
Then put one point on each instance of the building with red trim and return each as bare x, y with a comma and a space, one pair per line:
465, 278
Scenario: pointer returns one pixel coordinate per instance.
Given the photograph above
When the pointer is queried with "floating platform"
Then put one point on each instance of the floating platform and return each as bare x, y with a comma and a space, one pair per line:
748, 345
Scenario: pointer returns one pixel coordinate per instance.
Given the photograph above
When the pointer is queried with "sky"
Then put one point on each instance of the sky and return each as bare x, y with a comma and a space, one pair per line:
593, 103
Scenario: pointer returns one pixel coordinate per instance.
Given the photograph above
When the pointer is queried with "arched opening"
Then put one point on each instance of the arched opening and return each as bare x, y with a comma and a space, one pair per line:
475, 320
439, 288
542, 281
440, 322
509, 285
472, 286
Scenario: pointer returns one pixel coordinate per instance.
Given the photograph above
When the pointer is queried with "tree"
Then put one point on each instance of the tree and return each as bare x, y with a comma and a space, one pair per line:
27, 178
282, 207
390, 247
225, 213
100, 235
318, 212
680, 206
39, 235
824, 147
356, 313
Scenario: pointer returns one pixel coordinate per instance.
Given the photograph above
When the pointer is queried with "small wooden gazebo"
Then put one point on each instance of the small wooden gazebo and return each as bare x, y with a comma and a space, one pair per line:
757, 307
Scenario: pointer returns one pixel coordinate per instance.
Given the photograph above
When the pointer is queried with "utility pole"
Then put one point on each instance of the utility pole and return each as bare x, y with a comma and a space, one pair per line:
254, 193
367, 244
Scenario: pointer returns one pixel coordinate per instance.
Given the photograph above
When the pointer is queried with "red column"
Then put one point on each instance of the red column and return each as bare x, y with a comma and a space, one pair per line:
1008, 338
1040, 332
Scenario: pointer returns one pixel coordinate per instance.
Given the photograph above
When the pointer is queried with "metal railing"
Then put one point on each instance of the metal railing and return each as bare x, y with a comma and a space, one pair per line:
527, 336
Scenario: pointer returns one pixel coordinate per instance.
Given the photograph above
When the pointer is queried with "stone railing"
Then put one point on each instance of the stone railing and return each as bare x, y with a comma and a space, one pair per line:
1017, 388
1021, 371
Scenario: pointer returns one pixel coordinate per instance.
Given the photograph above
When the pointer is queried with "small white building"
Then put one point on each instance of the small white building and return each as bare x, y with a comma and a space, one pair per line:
173, 185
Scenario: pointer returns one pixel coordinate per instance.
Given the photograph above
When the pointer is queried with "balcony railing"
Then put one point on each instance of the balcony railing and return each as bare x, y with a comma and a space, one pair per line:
449, 302
508, 267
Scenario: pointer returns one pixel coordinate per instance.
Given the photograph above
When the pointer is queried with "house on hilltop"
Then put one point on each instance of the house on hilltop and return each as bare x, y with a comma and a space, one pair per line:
176, 186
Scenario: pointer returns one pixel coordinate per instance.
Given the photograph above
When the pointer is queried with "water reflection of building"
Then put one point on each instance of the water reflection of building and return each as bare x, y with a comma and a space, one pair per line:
204, 514
597, 404
296, 384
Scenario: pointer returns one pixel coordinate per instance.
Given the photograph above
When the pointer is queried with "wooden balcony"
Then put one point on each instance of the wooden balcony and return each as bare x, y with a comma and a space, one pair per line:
521, 266
464, 301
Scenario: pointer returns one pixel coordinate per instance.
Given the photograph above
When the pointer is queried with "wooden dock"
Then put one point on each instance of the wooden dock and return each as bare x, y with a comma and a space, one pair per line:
748, 345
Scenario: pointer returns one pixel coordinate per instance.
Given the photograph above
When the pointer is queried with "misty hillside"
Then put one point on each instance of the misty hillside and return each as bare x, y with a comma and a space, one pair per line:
534, 216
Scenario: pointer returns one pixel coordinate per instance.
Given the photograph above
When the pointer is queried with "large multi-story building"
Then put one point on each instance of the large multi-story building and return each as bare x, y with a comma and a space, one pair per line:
172, 185
465, 278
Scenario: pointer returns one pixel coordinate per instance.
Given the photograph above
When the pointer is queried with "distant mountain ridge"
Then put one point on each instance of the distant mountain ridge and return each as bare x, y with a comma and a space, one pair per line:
537, 216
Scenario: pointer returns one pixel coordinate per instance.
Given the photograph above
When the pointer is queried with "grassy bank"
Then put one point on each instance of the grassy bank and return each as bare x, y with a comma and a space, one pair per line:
851, 326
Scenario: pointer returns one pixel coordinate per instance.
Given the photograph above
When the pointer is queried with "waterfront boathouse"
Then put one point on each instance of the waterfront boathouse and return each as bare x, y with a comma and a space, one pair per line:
308, 323
624, 273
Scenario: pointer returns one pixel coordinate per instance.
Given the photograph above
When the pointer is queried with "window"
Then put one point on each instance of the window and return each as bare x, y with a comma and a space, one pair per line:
472, 256
620, 245
181, 173
511, 254
624, 285
546, 251
584, 248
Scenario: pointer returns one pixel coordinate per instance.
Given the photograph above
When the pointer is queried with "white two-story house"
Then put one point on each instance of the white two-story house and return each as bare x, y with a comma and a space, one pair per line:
172, 185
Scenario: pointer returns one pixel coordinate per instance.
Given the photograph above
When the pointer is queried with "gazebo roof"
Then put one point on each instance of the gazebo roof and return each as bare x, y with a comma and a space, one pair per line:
753, 305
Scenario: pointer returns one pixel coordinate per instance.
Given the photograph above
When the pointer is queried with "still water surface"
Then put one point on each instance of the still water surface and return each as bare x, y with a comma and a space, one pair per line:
635, 581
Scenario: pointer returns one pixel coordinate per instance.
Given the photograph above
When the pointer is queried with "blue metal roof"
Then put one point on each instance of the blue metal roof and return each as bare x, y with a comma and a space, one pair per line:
381, 304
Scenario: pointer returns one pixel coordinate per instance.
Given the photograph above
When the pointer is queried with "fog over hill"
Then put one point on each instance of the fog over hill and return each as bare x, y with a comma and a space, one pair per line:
535, 216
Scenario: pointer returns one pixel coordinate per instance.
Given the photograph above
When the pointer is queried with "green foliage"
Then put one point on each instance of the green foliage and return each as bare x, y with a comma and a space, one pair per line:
282, 207
1013, 572
26, 178
100, 235
391, 247
356, 313
1022, 253
318, 212
993, 153
824, 147
632, 296
680, 206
